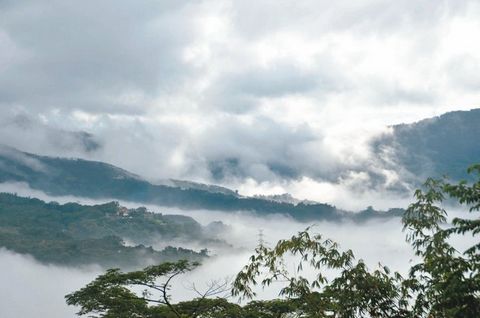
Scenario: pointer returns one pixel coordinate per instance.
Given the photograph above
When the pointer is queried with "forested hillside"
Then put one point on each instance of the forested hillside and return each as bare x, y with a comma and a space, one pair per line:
74, 234
438, 146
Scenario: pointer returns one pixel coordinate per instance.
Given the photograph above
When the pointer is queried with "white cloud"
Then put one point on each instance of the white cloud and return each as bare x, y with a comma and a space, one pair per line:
32, 289
271, 91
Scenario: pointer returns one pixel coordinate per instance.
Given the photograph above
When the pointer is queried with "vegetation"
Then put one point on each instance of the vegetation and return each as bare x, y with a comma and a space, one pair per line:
75, 234
98, 180
445, 283
432, 147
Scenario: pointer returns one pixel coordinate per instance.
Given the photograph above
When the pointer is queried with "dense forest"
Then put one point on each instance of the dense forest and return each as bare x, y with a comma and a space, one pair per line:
434, 147
75, 234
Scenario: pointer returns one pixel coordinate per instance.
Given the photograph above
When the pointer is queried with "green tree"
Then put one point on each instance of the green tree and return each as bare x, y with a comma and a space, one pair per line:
356, 292
111, 295
446, 282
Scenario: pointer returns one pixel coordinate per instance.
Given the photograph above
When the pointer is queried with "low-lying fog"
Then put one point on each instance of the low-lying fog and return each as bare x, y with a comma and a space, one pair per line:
33, 289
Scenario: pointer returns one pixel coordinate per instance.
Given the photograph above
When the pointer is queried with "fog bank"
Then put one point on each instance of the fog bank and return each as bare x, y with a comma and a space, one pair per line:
31, 289
34, 289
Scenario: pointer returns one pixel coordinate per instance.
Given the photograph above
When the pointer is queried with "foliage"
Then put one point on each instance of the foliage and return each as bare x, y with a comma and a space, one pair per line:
314, 250
109, 295
354, 293
448, 280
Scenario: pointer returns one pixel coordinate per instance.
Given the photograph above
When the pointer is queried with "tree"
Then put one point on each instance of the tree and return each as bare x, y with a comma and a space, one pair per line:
110, 294
446, 281
356, 292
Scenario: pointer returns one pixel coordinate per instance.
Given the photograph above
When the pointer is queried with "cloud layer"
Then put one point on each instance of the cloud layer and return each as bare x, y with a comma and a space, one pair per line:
266, 96
44, 286
38, 289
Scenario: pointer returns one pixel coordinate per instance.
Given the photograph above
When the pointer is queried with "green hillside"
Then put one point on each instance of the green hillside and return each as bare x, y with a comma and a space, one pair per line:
437, 146
74, 234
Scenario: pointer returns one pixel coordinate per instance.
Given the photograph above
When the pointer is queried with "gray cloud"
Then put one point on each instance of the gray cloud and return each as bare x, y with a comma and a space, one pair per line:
27, 132
464, 72
276, 80
264, 95
266, 149
38, 290
84, 56
373, 17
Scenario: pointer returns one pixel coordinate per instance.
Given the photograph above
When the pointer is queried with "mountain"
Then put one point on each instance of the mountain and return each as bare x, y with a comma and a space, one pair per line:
98, 180
284, 198
198, 186
75, 234
443, 145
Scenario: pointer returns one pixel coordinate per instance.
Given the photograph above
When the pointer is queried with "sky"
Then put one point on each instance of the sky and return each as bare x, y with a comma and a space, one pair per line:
261, 96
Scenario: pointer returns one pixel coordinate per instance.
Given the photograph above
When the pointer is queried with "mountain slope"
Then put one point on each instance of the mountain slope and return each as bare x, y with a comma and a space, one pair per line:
98, 180
444, 145
74, 234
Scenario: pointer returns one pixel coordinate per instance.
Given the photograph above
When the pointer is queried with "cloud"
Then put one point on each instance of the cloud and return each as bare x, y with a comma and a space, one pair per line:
24, 131
12, 155
90, 56
224, 91
33, 289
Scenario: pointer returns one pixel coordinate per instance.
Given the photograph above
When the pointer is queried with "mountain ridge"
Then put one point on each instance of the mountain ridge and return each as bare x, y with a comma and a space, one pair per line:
442, 145
98, 180
75, 234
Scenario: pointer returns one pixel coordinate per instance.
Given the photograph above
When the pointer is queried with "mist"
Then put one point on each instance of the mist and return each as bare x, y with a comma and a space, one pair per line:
31, 289
32, 285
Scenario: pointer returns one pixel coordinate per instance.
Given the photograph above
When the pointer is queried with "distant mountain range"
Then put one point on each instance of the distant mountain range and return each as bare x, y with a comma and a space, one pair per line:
284, 198
98, 180
198, 186
431, 147
443, 145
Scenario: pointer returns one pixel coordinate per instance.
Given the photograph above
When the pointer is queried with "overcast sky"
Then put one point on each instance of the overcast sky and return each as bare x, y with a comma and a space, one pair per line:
264, 96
